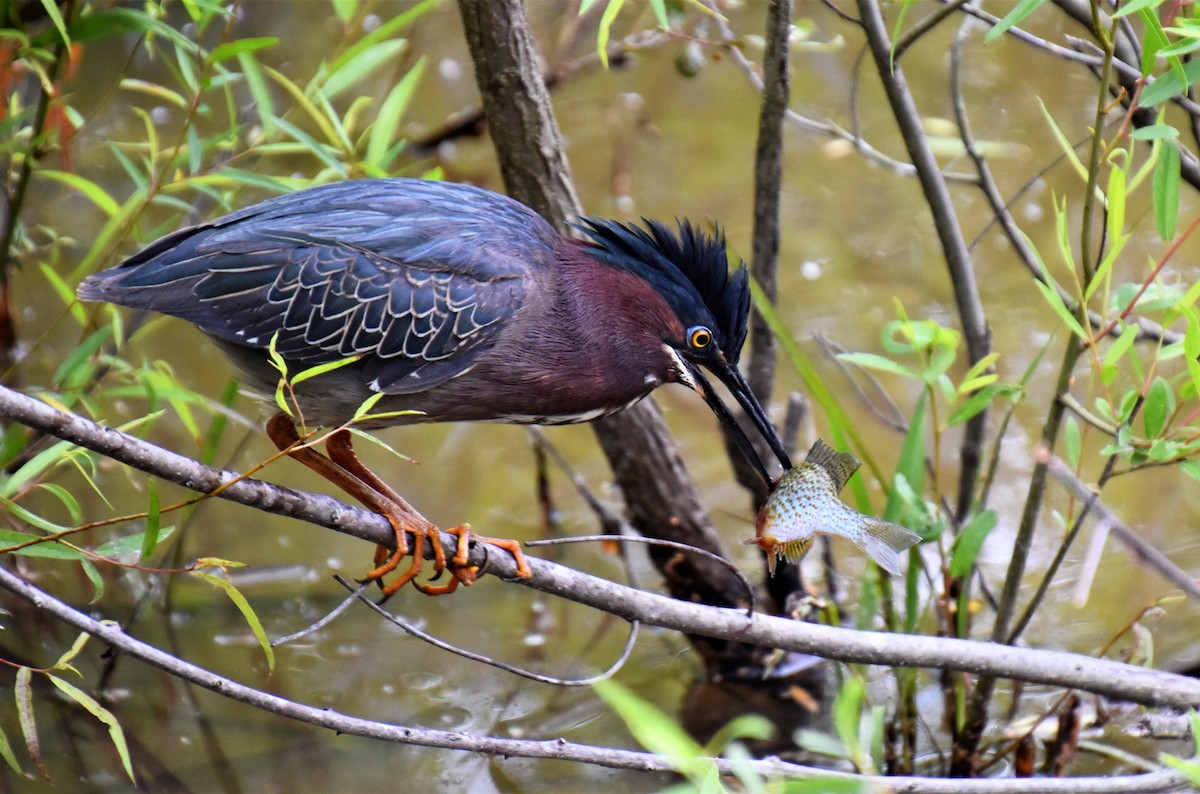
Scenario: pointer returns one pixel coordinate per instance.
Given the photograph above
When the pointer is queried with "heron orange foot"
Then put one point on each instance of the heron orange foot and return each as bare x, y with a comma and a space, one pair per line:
459, 566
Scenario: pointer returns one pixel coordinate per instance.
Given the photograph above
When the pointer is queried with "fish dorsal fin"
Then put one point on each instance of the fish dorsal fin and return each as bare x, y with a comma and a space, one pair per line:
839, 465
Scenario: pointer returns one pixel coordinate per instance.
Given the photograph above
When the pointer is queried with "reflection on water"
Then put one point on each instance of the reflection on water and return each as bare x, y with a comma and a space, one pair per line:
643, 140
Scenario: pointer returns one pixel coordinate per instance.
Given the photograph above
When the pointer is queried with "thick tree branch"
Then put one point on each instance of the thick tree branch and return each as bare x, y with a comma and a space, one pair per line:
111, 633
1114, 679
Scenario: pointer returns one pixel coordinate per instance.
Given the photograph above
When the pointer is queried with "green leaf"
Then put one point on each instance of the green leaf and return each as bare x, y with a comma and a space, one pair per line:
129, 548
980, 400
1189, 769
1166, 187
10, 758
354, 71
1157, 408
150, 538
89, 189
655, 730
345, 9
1116, 351
878, 363
1072, 442
51, 549
387, 121
23, 693
55, 15
1135, 5
65, 292
1115, 201
970, 540
1154, 38
1019, 12
1067, 148
233, 49
73, 366
745, 726
63, 663
104, 715
605, 31
1154, 132
1169, 85
911, 466
321, 369
847, 714
977, 376
247, 611
33, 468
1191, 468
1052, 297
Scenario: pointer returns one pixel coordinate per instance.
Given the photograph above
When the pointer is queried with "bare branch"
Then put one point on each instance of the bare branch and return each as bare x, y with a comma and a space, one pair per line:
1115, 679
111, 633
945, 220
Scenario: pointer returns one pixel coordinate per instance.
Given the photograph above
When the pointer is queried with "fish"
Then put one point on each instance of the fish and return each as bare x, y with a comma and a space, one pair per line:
805, 502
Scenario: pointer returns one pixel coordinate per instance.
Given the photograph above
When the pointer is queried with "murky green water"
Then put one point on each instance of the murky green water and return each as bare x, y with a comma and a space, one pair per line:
857, 237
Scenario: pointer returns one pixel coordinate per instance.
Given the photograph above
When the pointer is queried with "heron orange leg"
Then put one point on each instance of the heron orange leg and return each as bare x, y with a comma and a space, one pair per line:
344, 469
342, 452
399, 513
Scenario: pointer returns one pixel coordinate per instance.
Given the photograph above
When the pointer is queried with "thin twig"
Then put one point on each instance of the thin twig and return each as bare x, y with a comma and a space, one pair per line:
670, 544
413, 631
1143, 550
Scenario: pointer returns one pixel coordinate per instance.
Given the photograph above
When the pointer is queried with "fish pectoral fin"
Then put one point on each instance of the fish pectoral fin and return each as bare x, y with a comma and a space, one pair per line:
883, 542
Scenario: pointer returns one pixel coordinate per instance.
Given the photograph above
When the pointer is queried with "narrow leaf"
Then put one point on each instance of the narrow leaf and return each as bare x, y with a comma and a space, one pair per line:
1135, 5
89, 189
1019, 12
654, 729
1169, 85
104, 715
878, 363
23, 693
1159, 405
1166, 187
10, 758
1072, 441
233, 49
247, 611
970, 540
153, 524
387, 121
1052, 297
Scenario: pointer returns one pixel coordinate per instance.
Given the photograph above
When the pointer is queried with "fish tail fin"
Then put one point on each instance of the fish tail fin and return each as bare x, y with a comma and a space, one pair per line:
884, 542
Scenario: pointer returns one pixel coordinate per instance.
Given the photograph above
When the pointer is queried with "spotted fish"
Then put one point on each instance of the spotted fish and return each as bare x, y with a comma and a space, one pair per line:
806, 502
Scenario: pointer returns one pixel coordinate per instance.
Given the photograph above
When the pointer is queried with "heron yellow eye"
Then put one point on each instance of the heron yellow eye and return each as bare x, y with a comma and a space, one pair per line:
699, 337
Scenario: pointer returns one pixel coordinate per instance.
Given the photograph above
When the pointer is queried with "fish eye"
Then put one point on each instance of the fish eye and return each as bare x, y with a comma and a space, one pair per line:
699, 337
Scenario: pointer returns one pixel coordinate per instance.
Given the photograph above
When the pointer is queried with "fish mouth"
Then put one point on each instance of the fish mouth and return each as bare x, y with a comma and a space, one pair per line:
733, 380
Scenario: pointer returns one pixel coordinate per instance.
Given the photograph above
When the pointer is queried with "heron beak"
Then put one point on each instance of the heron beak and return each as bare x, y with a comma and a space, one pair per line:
692, 376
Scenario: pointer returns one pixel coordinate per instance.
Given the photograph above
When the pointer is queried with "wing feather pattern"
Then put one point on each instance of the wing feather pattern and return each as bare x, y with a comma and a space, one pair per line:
416, 277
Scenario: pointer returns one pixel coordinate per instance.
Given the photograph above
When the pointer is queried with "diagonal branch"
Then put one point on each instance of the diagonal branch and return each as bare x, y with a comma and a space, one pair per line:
1114, 679
559, 749
945, 221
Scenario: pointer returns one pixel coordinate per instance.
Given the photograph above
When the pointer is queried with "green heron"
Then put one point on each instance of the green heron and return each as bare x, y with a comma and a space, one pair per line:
455, 304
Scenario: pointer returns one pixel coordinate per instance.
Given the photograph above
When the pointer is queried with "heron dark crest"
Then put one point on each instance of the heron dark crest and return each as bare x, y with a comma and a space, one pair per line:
455, 304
